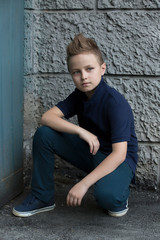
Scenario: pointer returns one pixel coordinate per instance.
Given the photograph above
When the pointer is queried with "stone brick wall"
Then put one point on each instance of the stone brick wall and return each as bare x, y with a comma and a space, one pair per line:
128, 33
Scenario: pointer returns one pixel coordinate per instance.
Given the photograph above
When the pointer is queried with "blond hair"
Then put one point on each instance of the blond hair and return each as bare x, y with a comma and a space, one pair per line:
81, 44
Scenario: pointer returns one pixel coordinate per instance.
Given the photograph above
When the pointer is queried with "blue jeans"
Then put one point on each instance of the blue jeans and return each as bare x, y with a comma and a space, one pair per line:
111, 191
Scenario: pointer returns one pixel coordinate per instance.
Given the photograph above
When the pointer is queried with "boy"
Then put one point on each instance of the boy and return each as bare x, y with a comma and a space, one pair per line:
104, 144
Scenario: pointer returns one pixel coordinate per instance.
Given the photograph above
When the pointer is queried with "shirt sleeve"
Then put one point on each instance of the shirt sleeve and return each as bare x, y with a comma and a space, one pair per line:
68, 105
120, 118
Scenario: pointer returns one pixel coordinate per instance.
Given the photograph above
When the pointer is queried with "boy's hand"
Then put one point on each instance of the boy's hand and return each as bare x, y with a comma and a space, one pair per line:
91, 139
76, 194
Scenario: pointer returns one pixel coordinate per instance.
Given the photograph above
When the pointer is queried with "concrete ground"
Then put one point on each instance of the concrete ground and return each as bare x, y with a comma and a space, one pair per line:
88, 222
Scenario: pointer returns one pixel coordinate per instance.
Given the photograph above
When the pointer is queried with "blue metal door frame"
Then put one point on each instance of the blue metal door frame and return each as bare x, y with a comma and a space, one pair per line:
11, 98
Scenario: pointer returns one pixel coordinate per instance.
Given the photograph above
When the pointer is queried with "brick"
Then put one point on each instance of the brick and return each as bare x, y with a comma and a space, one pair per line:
128, 40
59, 4
130, 4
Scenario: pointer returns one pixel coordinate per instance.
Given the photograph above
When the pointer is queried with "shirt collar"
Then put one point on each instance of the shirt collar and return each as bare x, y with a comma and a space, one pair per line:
99, 89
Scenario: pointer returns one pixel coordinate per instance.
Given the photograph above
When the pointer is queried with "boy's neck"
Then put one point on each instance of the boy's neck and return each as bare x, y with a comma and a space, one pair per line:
90, 94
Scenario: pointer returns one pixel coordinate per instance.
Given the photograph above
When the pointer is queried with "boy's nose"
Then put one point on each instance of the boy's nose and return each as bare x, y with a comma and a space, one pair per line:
83, 75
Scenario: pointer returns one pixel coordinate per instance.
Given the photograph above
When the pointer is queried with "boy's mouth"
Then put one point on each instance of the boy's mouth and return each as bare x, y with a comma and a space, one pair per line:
86, 84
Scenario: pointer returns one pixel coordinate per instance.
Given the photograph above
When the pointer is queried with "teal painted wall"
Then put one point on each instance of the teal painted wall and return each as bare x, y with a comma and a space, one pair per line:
11, 98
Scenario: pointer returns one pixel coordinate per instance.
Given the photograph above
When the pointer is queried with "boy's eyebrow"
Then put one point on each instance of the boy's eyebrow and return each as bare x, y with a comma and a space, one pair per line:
89, 65
73, 69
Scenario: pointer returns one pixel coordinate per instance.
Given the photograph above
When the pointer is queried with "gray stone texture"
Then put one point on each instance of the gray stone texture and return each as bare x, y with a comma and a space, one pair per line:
129, 40
28, 51
130, 4
130, 43
147, 174
60, 4
42, 93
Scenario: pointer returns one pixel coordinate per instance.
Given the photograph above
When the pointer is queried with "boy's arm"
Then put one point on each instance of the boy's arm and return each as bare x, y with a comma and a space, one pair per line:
108, 165
53, 118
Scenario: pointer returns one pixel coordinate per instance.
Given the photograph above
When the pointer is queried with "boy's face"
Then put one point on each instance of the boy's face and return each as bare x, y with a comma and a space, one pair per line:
86, 72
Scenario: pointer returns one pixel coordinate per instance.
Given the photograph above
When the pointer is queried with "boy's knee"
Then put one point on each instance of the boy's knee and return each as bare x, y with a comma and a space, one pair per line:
43, 134
107, 199
43, 131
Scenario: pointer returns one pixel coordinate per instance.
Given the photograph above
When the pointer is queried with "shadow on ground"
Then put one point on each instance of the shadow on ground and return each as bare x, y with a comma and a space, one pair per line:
88, 222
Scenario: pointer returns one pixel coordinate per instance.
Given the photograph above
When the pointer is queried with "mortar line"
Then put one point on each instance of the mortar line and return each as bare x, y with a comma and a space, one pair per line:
59, 10
133, 76
129, 10
32, 36
96, 6
153, 77
158, 177
104, 10
149, 143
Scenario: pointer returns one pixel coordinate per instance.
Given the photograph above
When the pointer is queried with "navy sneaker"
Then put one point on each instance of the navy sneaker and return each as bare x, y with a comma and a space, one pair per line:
32, 205
119, 213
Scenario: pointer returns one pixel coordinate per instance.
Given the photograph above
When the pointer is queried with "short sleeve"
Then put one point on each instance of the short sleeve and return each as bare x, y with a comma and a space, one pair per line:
68, 106
120, 117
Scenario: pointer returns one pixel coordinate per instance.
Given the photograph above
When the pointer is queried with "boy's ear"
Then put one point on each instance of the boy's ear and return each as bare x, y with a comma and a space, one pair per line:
103, 68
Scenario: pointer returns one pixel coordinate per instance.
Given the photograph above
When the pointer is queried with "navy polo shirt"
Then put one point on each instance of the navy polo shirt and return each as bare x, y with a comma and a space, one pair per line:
107, 115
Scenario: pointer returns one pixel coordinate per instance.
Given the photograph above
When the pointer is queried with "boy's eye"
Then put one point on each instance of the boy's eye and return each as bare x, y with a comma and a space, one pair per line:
89, 69
75, 72
78, 71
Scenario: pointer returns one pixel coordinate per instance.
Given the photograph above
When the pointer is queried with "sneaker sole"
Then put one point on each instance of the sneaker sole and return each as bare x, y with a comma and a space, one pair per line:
31, 213
118, 214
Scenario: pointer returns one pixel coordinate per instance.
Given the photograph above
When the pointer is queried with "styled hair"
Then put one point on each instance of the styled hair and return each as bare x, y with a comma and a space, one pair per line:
81, 44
